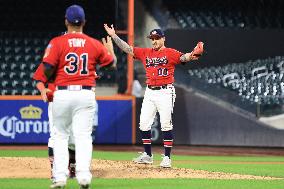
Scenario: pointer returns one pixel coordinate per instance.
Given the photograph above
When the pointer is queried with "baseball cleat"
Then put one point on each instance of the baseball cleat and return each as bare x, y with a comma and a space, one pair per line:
166, 162
58, 185
144, 158
84, 184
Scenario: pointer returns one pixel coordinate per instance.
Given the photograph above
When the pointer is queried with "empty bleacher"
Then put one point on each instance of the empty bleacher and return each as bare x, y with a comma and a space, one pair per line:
255, 82
239, 14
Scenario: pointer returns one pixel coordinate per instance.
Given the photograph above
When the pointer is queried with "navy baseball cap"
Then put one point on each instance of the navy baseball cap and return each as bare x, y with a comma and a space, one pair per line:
75, 14
156, 33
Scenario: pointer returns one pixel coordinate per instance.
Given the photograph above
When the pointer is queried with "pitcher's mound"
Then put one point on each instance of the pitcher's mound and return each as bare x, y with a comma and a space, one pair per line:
27, 167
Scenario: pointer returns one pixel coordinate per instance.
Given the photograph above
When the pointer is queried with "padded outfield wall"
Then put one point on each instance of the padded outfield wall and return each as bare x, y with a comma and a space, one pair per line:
24, 120
203, 120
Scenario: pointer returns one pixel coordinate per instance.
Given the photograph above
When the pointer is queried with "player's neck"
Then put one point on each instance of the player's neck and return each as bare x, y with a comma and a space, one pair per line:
74, 30
159, 49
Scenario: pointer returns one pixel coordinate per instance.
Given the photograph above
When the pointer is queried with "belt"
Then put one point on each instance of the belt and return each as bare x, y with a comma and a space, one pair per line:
74, 87
157, 87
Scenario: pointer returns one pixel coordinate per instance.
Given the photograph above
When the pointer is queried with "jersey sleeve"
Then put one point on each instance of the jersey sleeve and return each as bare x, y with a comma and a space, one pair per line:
39, 74
138, 53
51, 54
175, 56
105, 58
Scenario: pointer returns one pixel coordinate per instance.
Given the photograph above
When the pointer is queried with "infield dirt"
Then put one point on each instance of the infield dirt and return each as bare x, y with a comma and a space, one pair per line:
27, 167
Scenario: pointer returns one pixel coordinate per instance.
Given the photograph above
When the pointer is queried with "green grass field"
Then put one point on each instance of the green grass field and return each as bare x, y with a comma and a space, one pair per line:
261, 166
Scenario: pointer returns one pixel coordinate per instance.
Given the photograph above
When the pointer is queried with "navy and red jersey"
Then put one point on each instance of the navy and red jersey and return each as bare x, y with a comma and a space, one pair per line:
75, 56
40, 76
159, 65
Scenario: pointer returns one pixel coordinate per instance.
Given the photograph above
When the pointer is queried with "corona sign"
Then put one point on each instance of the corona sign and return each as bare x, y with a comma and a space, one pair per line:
23, 121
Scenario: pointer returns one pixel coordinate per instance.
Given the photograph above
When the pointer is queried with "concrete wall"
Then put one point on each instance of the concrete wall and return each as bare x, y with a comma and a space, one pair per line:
202, 120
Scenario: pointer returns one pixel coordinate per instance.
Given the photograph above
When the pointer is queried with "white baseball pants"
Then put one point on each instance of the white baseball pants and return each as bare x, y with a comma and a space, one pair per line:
158, 100
71, 141
73, 110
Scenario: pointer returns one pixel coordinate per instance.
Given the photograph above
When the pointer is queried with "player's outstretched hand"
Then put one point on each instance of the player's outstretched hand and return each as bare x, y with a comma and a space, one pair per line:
107, 42
193, 57
110, 30
196, 53
104, 42
198, 49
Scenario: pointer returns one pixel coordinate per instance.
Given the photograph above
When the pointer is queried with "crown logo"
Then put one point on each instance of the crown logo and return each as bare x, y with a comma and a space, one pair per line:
30, 112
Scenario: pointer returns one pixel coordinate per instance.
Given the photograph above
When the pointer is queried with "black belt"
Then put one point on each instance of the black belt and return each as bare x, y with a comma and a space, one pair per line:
157, 87
67, 88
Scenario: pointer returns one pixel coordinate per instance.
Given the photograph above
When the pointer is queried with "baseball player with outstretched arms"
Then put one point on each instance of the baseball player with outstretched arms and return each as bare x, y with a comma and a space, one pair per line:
71, 59
159, 63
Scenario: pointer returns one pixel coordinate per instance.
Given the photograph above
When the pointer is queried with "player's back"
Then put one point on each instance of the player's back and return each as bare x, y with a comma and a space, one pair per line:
75, 56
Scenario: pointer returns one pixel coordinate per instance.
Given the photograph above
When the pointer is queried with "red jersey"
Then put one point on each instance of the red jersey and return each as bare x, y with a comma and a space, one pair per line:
40, 76
75, 56
159, 65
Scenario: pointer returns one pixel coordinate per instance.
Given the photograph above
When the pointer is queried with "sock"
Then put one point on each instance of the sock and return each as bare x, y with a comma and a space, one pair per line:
50, 156
71, 156
146, 139
51, 159
168, 142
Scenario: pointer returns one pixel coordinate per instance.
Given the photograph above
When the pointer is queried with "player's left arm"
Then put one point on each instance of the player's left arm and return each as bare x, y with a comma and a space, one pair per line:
187, 57
194, 54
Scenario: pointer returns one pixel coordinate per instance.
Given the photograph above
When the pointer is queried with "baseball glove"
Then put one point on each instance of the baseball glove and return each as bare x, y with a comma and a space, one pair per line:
198, 50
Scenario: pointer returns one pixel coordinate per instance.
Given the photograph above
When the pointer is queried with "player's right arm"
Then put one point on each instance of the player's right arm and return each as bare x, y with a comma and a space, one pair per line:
43, 90
49, 70
107, 42
50, 58
40, 78
119, 42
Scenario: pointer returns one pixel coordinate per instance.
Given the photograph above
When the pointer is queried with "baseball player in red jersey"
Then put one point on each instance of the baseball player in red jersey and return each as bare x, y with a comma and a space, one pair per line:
71, 59
159, 63
47, 96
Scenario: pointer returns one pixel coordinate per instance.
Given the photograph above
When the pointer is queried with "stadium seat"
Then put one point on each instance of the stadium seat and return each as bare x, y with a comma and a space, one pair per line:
220, 14
259, 81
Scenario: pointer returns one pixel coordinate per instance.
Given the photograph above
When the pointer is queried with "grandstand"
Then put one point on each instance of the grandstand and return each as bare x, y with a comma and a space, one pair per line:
210, 14
258, 82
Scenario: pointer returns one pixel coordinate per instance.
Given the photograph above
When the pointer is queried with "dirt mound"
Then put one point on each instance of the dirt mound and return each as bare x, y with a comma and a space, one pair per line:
27, 167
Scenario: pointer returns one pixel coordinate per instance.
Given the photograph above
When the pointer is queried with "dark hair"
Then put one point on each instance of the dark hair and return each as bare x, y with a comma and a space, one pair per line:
76, 24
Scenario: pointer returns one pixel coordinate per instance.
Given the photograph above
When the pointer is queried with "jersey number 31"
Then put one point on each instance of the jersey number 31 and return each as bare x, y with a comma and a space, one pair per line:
76, 63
